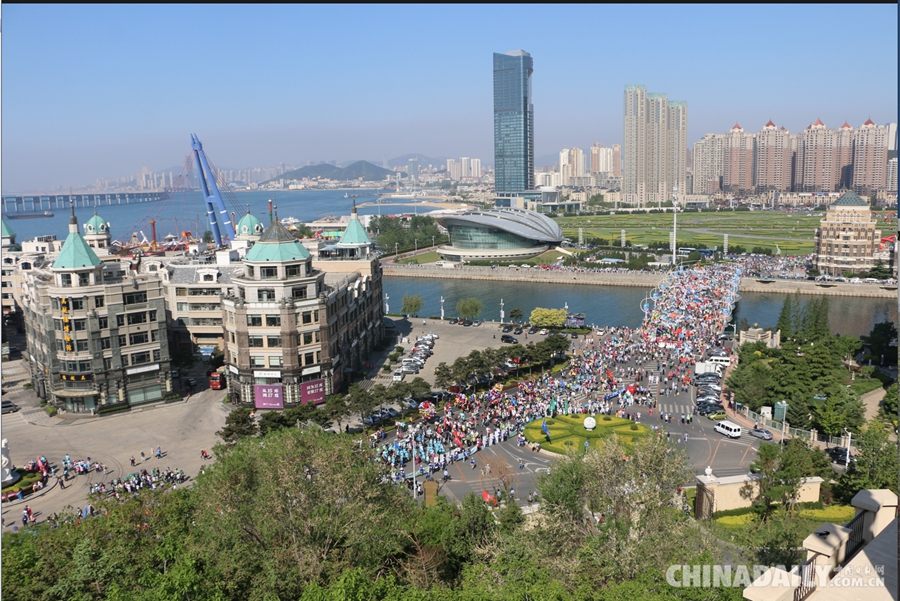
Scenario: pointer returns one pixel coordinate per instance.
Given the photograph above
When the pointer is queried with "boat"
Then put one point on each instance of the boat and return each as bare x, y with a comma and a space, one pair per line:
30, 215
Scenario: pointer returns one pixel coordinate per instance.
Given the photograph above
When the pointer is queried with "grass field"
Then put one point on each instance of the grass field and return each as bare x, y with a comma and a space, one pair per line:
793, 233
567, 433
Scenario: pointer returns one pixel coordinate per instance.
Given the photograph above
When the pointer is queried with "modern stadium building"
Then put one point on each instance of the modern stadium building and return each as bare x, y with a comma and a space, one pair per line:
498, 235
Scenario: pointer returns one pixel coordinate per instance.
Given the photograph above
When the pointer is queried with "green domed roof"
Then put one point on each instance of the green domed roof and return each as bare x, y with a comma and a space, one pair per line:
7, 231
249, 226
76, 253
277, 244
96, 225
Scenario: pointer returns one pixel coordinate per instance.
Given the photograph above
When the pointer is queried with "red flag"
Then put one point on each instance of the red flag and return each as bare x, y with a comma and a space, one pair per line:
485, 496
609, 374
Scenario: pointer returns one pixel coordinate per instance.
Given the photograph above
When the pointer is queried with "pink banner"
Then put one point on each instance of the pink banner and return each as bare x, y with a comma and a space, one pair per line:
312, 392
268, 396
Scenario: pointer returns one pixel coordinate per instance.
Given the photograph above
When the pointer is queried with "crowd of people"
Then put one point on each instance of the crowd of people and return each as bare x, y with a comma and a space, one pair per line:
610, 373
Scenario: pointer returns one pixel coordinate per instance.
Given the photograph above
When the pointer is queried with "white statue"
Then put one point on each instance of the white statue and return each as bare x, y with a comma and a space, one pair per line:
6, 463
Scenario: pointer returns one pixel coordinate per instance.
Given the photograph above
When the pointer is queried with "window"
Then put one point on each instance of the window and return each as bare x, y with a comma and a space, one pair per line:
298, 292
104, 343
292, 271
230, 317
120, 320
156, 355
154, 335
122, 340
136, 318
138, 358
265, 294
181, 292
182, 307
80, 325
307, 338
268, 273
273, 321
131, 298
307, 317
273, 341
84, 279
54, 302
276, 361
257, 361
125, 360
232, 336
57, 325
254, 320
153, 315
82, 345
60, 346
103, 323
77, 304
208, 277
107, 363
308, 359
250, 271
139, 338
255, 341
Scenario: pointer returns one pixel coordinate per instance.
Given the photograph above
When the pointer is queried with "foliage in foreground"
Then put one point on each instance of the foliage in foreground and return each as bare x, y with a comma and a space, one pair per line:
302, 514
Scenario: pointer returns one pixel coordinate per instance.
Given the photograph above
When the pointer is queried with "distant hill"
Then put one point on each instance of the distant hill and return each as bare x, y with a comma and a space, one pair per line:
359, 169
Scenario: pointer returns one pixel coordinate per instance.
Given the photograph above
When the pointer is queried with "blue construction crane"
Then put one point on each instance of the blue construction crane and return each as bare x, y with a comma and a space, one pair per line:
211, 194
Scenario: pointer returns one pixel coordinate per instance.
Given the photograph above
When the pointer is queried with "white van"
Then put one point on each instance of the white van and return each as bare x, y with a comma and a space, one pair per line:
728, 429
724, 361
399, 375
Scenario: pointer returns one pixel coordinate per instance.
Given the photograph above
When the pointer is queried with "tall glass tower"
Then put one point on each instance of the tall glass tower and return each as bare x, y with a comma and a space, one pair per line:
513, 122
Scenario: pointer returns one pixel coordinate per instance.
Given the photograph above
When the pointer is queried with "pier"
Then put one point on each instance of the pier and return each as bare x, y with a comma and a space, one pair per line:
46, 202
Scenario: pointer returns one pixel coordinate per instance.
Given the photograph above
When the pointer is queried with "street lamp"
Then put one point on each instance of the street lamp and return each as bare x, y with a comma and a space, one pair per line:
387, 307
849, 438
501, 310
442, 308
396, 244
416, 240
432, 242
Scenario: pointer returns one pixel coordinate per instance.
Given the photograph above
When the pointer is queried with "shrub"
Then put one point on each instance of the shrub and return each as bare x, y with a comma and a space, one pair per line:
634, 426
28, 385
399, 349
393, 357
113, 408
51, 411
386, 368
43, 402
607, 418
226, 400
732, 512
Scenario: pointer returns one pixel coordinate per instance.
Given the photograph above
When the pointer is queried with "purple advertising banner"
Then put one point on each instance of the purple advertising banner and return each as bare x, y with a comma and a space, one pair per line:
268, 396
312, 392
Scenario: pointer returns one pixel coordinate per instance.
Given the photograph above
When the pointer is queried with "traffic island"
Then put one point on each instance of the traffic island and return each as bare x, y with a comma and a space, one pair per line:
568, 433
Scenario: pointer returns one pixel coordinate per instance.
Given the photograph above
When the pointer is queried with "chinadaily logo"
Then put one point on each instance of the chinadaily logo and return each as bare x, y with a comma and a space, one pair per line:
743, 576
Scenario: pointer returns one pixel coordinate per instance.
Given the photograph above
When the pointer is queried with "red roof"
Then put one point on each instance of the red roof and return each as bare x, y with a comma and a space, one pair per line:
818, 122
770, 124
846, 126
736, 126
868, 122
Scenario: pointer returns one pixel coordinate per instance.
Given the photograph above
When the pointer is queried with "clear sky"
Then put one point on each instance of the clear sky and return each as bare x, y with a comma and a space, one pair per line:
101, 91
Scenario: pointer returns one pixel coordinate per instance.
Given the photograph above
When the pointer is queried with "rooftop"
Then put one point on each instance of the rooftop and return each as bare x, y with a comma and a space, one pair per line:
849, 199
75, 253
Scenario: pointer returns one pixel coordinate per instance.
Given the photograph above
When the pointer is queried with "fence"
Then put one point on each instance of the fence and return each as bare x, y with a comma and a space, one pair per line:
810, 436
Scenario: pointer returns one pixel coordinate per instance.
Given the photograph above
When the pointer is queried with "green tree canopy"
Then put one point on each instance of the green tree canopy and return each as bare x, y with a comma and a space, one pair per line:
548, 318
468, 308
412, 304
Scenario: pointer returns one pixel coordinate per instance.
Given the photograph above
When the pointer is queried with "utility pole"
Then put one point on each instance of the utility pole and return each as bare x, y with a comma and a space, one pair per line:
675, 225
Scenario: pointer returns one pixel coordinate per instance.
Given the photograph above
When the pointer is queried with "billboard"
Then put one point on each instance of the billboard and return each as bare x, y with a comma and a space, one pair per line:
312, 392
268, 396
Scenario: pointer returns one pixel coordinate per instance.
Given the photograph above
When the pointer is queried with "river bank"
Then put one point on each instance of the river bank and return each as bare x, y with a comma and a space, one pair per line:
640, 280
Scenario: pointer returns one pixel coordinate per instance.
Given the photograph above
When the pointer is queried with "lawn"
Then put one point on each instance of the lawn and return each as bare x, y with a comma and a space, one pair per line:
567, 433
429, 257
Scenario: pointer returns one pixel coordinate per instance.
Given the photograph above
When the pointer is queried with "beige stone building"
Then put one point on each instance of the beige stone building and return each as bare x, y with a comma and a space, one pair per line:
775, 153
870, 150
739, 168
846, 240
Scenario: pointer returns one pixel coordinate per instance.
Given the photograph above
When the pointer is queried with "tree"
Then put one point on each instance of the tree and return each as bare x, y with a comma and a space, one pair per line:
876, 465
360, 401
879, 271
839, 411
879, 340
239, 424
771, 489
889, 406
548, 318
183, 359
412, 304
443, 376
272, 421
468, 308
516, 314
784, 319
208, 237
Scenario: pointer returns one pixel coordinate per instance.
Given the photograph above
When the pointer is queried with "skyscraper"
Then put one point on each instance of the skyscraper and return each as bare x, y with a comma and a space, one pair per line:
709, 164
739, 156
774, 158
870, 146
513, 122
824, 158
655, 146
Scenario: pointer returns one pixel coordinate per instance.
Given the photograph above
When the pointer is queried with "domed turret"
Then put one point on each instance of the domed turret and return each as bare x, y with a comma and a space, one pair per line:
96, 232
249, 227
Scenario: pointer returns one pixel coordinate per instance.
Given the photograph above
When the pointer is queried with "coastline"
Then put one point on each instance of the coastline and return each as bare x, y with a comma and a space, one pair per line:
641, 280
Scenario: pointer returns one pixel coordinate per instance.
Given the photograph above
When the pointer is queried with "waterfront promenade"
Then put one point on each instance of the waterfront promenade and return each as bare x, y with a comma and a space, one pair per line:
635, 279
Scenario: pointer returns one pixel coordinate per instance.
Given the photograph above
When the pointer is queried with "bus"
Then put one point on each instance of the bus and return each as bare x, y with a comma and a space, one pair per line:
217, 380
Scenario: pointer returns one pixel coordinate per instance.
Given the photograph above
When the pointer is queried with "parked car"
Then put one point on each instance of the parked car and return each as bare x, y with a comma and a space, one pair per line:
707, 409
517, 331
476, 323
544, 332
391, 412
508, 339
410, 368
574, 335
760, 433
839, 455
717, 415
454, 321
399, 375
467, 323
532, 330
507, 329
10, 407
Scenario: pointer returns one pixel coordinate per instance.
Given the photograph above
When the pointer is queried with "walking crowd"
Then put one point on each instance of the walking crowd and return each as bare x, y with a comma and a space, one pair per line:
611, 373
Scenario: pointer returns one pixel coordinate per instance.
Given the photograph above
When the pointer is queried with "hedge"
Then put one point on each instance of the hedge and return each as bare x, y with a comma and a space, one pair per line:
112, 408
51, 411
28, 479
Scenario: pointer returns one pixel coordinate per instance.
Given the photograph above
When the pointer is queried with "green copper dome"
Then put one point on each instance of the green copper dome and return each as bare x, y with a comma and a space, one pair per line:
355, 234
76, 253
277, 244
7, 231
96, 225
249, 226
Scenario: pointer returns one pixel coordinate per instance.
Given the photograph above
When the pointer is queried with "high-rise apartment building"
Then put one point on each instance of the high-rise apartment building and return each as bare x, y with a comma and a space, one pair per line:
475, 168
708, 164
739, 173
513, 122
892, 175
892, 136
775, 150
412, 169
616, 160
870, 148
571, 164
655, 146
602, 159
824, 158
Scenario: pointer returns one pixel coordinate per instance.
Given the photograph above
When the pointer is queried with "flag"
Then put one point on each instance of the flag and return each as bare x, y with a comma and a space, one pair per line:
544, 428
488, 498
609, 374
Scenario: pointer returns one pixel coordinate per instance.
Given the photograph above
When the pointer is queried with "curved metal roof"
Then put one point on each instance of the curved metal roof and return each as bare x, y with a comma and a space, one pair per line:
528, 224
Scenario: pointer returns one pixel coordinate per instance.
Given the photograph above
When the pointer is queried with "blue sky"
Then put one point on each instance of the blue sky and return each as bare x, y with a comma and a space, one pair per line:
97, 92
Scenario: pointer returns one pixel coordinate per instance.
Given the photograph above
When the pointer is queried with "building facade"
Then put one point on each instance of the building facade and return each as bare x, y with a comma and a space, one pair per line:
739, 168
870, 150
502, 234
96, 331
775, 153
824, 158
513, 122
708, 164
846, 240
655, 149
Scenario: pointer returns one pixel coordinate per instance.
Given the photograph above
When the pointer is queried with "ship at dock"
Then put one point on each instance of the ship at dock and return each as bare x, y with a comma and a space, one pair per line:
30, 215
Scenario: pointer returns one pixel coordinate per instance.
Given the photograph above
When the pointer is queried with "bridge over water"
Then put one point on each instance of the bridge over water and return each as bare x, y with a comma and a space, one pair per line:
45, 202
